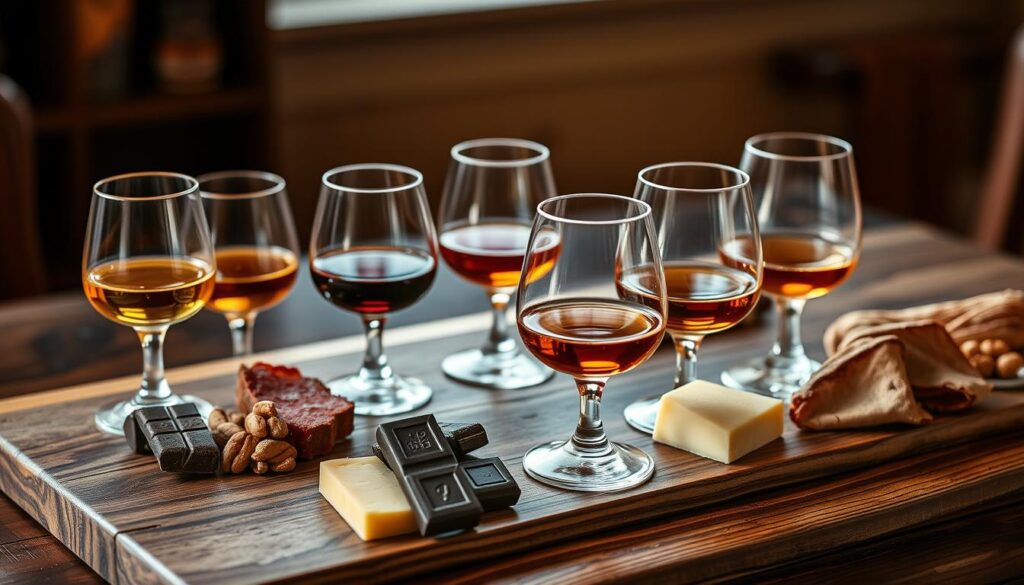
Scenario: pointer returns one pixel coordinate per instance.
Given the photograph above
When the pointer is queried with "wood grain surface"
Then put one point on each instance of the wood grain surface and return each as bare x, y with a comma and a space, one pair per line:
83, 463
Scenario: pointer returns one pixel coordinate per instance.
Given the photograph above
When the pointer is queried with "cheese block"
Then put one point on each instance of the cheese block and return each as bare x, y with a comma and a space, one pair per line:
717, 422
366, 494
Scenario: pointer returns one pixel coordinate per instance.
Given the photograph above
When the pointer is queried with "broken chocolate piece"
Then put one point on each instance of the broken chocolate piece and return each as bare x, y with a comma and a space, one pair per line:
176, 435
438, 489
492, 483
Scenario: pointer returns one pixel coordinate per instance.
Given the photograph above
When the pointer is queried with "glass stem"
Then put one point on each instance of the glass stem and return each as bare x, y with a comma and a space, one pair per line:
241, 333
686, 358
154, 387
498, 340
375, 362
589, 439
788, 345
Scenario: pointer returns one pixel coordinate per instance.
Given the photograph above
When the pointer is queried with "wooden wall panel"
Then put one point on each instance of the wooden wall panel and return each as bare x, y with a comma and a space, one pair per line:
609, 88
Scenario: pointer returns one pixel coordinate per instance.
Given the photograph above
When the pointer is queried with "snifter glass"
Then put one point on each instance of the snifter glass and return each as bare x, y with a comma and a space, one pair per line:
148, 263
373, 251
808, 207
577, 320
256, 247
700, 210
492, 189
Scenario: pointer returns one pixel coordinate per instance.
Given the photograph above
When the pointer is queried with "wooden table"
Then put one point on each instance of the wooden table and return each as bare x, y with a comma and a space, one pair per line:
49, 343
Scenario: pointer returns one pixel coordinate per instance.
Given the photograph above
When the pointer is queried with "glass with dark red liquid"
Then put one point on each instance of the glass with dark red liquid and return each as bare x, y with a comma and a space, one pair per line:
492, 189
373, 252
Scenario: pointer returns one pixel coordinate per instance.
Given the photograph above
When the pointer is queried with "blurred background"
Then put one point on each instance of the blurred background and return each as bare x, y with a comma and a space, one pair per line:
299, 86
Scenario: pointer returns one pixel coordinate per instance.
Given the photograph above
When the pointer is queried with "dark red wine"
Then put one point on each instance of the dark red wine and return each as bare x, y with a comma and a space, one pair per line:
373, 280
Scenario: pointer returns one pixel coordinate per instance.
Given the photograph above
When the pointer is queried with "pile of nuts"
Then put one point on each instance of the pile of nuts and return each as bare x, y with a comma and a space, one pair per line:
993, 357
255, 440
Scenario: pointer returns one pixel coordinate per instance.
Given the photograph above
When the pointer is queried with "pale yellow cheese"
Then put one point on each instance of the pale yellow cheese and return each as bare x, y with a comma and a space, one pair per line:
366, 494
717, 422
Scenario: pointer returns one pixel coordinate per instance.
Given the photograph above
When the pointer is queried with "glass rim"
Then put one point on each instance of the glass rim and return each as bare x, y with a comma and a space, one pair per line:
193, 186
645, 209
277, 187
543, 153
846, 149
743, 182
417, 177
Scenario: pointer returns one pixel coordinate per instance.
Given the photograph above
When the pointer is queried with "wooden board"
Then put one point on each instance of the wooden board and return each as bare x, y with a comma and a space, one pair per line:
132, 523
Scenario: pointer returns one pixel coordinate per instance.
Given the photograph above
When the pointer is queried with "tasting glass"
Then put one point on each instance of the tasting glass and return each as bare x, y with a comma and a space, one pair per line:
808, 210
147, 263
255, 244
492, 189
577, 320
373, 251
702, 213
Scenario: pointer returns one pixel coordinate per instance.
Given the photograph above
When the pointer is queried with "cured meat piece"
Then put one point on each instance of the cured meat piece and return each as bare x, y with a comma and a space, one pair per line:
864, 385
316, 418
943, 379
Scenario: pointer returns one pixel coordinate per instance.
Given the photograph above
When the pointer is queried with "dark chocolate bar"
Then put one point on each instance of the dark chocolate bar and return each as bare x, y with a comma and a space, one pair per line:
438, 489
491, 482
463, 438
176, 435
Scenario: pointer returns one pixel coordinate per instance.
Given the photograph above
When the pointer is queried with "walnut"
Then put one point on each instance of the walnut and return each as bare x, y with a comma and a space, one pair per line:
278, 428
284, 466
224, 432
264, 408
273, 450
237, 452
256, 425
255, 440
217, 416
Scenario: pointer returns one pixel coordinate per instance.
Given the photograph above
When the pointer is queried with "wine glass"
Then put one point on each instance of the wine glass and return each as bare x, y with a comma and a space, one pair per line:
700, 209
373, 251
808, 208
256, 247
579, 321
148, 263
492, 189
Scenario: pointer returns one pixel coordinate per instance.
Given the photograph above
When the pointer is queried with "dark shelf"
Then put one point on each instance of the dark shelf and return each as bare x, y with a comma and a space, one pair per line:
172, 108
150, 109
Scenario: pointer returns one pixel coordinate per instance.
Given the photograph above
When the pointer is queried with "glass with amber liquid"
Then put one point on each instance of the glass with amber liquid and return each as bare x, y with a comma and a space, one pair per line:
492, 189
697, 208
256, 247
373, 251
808, 204
577, 319
148, 263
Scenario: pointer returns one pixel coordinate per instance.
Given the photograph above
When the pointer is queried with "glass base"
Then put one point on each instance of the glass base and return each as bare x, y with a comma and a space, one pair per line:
561, 465
641, 414
381, 398
496, 371
772, 376
110, 418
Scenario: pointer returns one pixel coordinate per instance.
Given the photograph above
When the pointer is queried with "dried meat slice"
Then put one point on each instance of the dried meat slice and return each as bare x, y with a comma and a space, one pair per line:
316, 418
943, 379
863, 385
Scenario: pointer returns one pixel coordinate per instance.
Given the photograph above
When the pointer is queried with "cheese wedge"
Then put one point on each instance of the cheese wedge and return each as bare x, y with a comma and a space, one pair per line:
366, 494
717, 422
